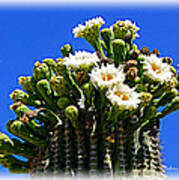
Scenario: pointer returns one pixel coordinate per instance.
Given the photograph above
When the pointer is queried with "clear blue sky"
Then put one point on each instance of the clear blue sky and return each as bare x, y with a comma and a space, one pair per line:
27, 35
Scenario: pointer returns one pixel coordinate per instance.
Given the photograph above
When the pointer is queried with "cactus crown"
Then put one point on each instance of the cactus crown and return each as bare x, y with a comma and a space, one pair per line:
94, 112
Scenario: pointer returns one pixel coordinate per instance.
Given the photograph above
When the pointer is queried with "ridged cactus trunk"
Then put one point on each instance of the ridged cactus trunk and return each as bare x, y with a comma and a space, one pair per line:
93, 114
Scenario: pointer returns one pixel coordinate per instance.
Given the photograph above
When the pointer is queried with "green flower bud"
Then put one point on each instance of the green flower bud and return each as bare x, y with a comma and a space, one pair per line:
41, 71
141, 87
119, 50
27, 83
60, 68
146, 98
51, 65
63, 102
19, 108
66, 50
88, 90
108, 36
72, 113
19, 95
20, 129
141, 57
59, 85
43, 87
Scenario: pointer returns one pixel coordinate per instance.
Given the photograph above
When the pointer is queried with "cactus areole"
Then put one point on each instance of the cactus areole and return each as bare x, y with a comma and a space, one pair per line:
93, 113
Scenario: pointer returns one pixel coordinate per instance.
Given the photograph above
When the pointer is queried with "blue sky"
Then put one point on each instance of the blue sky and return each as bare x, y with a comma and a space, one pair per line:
27, 35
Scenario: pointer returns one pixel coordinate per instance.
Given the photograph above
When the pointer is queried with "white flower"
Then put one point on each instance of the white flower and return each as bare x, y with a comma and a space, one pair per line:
81, 59
95, 21
78, 31
124, 97
156, 69
131, 25
107, 76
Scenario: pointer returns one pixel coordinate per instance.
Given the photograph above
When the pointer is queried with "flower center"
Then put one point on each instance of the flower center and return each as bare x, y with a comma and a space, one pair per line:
123, 96
156, 69
107, 77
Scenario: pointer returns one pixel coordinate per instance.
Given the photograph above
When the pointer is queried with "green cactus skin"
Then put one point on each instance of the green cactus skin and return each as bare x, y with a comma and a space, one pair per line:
119, 48
75, 130
108, 36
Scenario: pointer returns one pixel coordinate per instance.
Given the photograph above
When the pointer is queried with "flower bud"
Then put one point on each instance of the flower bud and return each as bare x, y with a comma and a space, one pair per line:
167, 60
19, 108
156, 52
145, 50
27, 83
59, 85
66, 50
60, 68
134, 53
72, 113
41, 71
19, 95
43, 87
63, 102
132, 73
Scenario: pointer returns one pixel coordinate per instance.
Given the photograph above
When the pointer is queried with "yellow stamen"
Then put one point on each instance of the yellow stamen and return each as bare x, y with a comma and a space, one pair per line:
107, 77
156, 68
123, 96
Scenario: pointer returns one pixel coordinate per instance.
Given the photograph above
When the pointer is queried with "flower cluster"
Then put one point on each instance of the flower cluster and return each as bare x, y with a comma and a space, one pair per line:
80, 29
81, 60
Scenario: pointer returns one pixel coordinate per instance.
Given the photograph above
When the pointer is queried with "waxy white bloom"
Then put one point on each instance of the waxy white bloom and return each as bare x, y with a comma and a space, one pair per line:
78, 31
130, 25
107, 76
81, 59
124, 97
156, 69
95, 21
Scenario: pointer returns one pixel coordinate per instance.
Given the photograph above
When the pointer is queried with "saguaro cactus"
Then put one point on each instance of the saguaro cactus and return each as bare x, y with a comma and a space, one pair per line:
94, 114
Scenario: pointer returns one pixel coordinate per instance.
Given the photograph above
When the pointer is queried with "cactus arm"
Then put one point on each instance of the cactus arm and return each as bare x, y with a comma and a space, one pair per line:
43, 87
119, 49
108, 36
